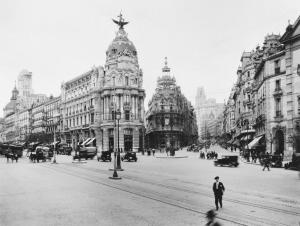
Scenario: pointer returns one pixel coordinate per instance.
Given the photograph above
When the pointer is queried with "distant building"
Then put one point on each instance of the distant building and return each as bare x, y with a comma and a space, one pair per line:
26, 96
206, 110
2, 130
170, 119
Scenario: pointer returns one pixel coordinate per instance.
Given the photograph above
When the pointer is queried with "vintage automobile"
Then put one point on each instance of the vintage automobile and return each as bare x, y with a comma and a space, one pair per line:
129, 156
227, 160
104, 156
41, 153
87, 149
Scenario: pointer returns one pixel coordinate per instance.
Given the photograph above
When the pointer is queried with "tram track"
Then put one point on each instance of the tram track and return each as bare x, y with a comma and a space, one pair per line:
68, 169
241, 202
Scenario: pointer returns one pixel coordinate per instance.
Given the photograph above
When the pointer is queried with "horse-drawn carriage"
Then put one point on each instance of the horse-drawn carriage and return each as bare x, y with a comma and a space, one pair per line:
41, 153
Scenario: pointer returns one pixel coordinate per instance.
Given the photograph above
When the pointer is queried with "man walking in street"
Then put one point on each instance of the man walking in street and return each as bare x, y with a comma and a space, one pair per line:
218, 189
267, 162
211, 217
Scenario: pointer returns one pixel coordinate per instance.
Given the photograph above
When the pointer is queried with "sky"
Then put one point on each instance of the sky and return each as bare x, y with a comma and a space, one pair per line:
58, 40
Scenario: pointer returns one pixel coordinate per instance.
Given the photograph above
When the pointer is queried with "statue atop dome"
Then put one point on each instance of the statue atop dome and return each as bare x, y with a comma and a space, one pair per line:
121, 22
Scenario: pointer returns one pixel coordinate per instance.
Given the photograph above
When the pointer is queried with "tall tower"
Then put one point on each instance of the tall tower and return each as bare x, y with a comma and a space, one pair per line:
122, 91
200, 97
25, 83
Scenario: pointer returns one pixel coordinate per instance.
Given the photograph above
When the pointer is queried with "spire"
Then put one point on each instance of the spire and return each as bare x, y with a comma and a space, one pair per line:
166, 68
15, 93
121, 22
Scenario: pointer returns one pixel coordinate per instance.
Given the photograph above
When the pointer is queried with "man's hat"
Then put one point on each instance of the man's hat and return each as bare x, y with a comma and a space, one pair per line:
210, 214
217, 177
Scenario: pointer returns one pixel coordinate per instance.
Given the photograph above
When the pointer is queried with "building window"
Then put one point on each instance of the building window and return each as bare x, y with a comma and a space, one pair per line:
298, 105
126, 81
92, 118
112, 115
127, 115
277, 66
248, 74
278, 106
277, 84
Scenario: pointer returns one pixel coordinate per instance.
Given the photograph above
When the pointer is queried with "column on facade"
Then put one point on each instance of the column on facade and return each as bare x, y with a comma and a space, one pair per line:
102, 108
105, 137
135, 143
136, 107
121, 137
121, 108
98, 139
106, 108
132, 107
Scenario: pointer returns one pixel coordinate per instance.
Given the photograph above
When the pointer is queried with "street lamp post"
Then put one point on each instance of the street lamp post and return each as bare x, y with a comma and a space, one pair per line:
115, 176
271, 142
54, 148
118, 117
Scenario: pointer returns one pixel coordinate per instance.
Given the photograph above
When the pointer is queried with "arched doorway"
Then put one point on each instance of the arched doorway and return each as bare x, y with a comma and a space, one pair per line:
279, 142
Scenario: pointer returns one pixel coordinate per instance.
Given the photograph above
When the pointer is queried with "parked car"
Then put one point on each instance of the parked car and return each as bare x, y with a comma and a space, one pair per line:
104, 156
276, 161
227, 160
129, 156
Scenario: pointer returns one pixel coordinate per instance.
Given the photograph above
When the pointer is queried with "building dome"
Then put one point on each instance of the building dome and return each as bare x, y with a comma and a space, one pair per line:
121, 45
10, 106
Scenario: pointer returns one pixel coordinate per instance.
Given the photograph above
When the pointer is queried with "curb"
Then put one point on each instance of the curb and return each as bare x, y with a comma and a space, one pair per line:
171, 157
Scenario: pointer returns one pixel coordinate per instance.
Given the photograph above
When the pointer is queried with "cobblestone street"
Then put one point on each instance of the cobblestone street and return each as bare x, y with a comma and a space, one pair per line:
153, 191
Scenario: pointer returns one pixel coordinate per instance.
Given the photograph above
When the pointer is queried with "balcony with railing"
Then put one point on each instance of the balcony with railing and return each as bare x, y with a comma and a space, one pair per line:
277, 91
278, 116
247, 102
277, 70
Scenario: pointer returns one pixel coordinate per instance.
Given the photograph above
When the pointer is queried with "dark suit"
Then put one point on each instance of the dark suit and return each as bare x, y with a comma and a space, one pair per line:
218, 191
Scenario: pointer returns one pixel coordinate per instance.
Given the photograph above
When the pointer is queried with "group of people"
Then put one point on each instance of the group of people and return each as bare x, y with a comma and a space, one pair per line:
209, 155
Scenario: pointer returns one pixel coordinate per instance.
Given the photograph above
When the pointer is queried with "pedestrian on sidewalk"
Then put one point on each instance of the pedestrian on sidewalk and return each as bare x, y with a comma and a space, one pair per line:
267, 162
211, 217
218, 189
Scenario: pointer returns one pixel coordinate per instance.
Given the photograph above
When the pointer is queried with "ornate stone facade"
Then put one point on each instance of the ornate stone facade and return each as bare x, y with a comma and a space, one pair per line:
90, 100
121, 90
170, 119
266, 96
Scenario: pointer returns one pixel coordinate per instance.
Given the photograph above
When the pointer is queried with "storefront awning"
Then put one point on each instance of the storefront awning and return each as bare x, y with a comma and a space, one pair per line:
89, 142
236, 142
255, 142
246, 138
230, 141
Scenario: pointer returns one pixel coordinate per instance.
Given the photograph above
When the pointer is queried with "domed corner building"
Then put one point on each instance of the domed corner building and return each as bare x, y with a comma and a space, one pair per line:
121, 91
170, 119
